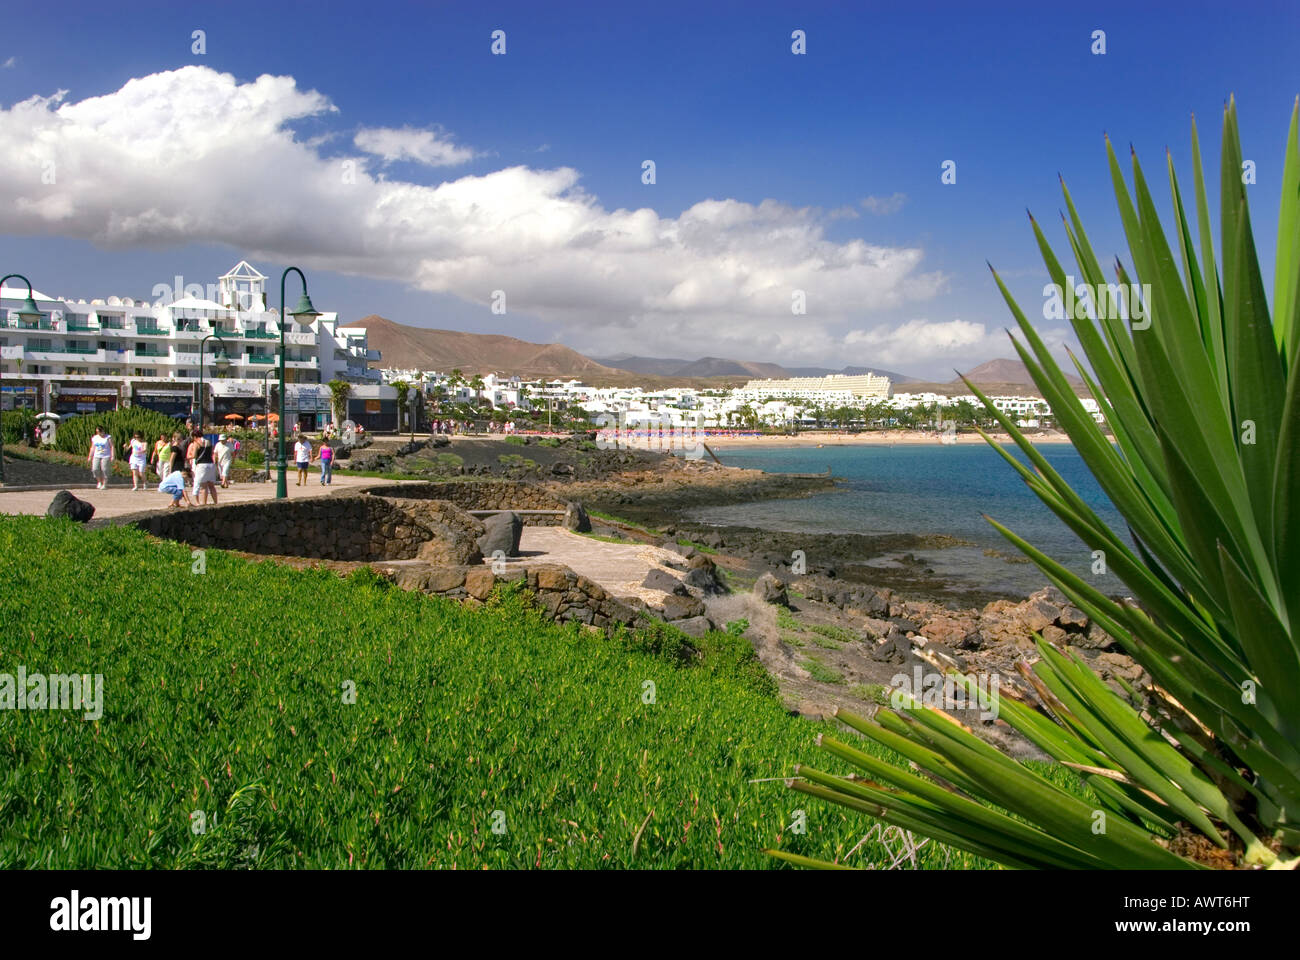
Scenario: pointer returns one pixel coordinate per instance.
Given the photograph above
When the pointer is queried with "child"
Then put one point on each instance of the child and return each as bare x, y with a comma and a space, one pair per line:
136, 460
174, 483
326, 462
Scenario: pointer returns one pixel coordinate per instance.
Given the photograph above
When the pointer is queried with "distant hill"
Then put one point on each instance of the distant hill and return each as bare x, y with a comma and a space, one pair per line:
719, 367
424, 348
994, 377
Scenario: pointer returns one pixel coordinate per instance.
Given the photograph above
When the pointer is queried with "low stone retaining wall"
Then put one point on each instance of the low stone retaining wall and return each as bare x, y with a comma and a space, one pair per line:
560, 593
338, 527
493, 495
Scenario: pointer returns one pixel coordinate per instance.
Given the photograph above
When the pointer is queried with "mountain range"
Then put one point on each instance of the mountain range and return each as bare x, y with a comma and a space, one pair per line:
426, 348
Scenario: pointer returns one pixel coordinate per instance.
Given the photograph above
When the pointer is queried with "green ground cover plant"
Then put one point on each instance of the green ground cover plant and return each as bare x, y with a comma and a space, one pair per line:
457, 714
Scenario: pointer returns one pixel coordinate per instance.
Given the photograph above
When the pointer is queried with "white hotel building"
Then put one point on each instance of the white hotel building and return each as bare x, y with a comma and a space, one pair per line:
84, 357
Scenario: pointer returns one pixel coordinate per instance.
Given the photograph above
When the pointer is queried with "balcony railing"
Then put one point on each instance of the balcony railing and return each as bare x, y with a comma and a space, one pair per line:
255, 358
82, 328
151, 352
151, 331
261, 335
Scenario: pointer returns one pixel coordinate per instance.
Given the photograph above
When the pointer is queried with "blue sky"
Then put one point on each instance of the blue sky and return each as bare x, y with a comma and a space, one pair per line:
788, 146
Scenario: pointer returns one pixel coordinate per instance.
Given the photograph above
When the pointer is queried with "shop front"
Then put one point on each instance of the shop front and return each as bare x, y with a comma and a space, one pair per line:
71, 401
171, 403
376, 414
309, 405
234, 402
20, 397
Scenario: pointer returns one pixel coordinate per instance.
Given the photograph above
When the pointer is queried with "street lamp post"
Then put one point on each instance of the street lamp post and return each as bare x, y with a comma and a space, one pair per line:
28, 311
202, 350
304, 309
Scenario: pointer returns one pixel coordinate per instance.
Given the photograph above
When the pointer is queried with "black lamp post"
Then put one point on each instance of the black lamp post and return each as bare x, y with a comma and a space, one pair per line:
222, 362
28, 311
304, 309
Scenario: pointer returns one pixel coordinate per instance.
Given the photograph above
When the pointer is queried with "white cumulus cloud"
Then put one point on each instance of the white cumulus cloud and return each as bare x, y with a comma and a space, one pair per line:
917, 340
432, 148
195, 156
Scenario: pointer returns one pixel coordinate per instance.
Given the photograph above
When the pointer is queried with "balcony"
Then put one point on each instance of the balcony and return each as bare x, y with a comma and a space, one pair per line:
148, 330
256, 358
81, 328
151, 352
260, 335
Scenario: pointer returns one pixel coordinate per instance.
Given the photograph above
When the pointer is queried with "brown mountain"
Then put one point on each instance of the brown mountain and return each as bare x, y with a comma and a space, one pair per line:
428, 349
996, 378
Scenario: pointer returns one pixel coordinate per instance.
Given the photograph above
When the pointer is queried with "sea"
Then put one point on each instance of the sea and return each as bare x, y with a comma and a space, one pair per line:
940, 489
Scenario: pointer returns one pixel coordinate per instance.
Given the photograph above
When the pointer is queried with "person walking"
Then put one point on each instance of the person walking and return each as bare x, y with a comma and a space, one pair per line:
161, 451
205, 470
137, 462
176, 459
326, 462
100, 456
302, 458
225, 454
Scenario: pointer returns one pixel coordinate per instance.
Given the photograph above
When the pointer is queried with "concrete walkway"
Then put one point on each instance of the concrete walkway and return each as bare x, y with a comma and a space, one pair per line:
618, 567
116, 500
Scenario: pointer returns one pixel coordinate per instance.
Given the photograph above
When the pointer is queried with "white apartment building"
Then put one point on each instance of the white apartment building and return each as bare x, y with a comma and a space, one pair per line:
830, 388
86, 357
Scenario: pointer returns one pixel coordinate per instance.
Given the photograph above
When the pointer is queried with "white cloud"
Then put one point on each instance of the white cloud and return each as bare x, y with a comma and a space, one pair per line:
921, 340
429, 147
883, 206
193, 156
11, 62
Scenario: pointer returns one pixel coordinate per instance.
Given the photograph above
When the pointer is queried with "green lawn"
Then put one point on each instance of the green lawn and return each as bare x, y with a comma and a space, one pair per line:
223, 693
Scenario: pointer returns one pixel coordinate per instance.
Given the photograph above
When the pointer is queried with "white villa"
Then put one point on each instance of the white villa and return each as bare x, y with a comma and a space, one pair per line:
81, 357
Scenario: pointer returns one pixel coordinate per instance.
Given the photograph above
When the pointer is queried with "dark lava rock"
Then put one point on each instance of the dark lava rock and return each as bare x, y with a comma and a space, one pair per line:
704, 576
694, 626
657, 579
65, 504
575, 517
440, 440
502, 533
771, 589
682, 608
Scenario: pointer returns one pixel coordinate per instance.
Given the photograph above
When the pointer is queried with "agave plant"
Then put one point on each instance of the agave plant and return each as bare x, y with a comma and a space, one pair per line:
1200, 389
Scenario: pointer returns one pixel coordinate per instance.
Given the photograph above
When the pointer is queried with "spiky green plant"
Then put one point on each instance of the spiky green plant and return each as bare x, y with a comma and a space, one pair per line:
1200, 389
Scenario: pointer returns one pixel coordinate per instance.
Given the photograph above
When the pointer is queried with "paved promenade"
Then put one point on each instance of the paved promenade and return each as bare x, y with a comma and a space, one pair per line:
116, 500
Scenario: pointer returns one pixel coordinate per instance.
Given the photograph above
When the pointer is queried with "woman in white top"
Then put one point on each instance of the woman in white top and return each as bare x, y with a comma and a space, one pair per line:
99, 457
137, 460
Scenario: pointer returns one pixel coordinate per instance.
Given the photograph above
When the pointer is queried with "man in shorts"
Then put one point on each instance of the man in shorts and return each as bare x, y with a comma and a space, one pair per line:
302, 458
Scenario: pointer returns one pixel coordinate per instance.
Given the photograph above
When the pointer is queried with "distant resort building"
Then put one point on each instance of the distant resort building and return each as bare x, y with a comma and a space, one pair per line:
81, 357
834, 386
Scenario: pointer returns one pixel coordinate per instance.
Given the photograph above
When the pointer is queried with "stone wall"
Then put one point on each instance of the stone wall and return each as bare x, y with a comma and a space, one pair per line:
340, 527
560, 593
489, 495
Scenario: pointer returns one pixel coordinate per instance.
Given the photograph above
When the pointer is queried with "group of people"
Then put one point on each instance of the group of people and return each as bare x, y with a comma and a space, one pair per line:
176, 461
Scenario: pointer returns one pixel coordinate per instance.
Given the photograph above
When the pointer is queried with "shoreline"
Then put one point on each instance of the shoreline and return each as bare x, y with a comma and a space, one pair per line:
870, 438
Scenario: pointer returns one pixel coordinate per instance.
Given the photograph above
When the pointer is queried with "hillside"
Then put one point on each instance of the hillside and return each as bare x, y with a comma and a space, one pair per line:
429, 349
995, 377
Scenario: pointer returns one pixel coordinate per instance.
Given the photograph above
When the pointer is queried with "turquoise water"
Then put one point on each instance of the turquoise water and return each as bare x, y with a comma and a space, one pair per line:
928, 489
